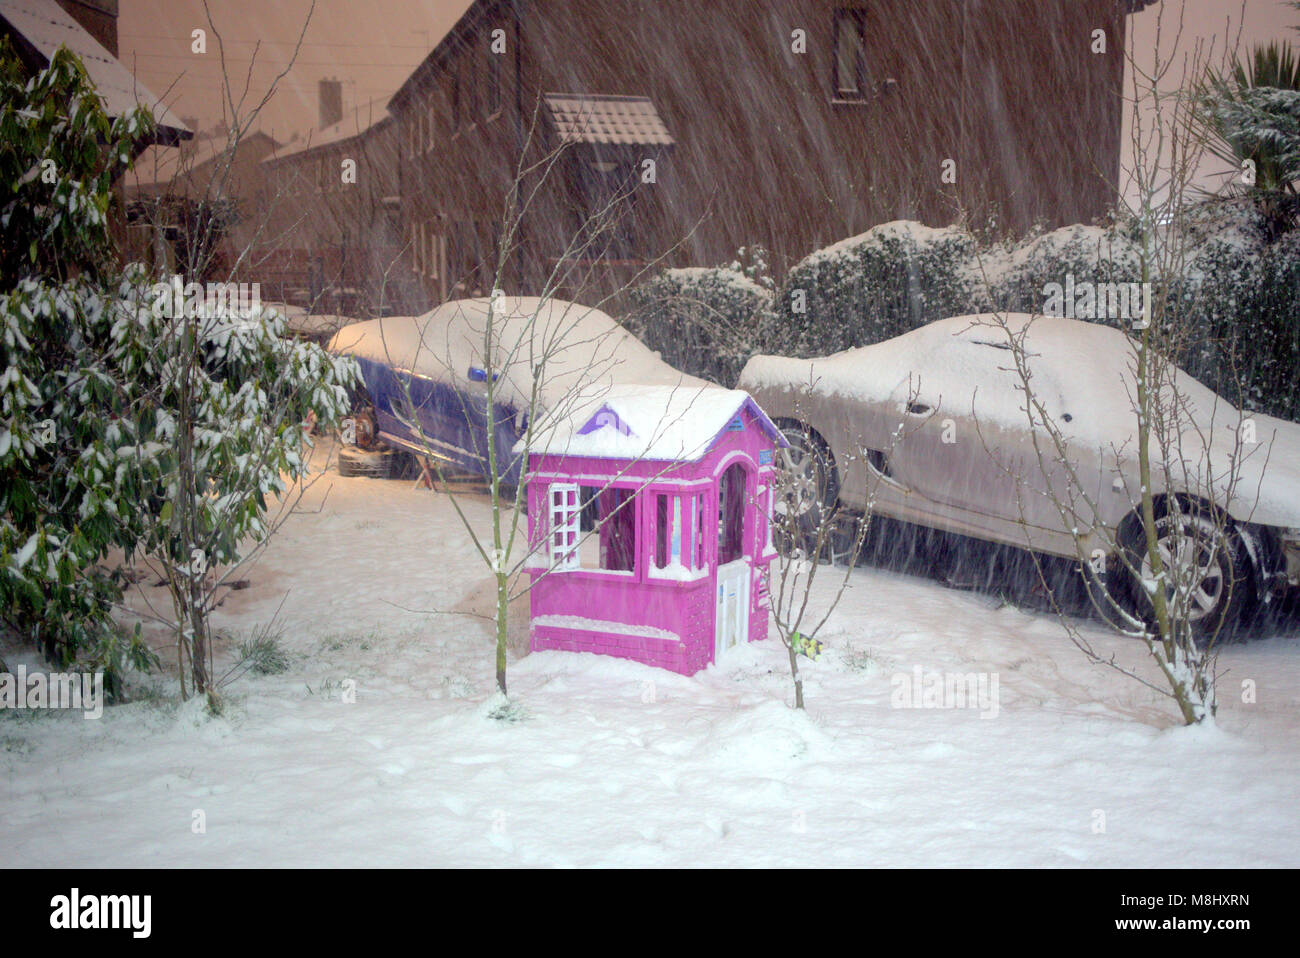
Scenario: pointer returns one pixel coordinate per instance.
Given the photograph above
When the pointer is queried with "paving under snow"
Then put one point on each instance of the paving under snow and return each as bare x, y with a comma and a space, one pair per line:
613, 763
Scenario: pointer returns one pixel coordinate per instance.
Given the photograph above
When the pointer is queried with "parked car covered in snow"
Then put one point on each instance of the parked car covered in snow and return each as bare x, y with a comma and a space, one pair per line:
426, 378
930, 427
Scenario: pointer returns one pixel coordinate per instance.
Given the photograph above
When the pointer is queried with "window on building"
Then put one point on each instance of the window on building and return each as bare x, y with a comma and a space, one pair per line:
471, 89
493, 106
849, 69
433, 265
609, 190
456, 105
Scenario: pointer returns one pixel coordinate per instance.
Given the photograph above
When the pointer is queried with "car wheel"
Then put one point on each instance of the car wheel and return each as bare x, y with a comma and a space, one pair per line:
806, 487
1210, 564
366, 428
373, 463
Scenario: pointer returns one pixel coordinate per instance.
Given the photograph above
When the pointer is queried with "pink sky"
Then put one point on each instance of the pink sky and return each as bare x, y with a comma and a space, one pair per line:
372, 46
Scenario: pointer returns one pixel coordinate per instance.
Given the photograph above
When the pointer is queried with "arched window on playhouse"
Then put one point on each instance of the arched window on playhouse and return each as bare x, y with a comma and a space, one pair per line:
731, 514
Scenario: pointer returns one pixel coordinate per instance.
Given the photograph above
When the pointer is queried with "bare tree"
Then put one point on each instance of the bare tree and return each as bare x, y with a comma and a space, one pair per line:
540, 362
807, 530
1169, 570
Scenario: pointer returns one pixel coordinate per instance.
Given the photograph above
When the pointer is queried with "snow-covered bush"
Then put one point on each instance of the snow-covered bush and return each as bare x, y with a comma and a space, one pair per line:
704, 321
1244, 305
1012, 275
872, 287
59, 153
124, 422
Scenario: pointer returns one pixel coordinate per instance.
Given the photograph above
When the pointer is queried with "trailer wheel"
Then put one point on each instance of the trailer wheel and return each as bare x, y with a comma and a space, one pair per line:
372, 463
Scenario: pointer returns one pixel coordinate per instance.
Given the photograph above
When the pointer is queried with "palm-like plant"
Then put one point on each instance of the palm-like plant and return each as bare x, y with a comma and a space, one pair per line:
1253, 120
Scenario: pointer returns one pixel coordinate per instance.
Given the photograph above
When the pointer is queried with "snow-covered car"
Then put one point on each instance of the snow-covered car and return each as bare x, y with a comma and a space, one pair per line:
426, 380
931, 428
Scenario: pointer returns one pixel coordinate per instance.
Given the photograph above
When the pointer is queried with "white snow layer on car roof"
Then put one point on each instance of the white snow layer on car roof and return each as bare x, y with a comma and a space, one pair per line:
1078, 368
965, 363
661, 423
579, 345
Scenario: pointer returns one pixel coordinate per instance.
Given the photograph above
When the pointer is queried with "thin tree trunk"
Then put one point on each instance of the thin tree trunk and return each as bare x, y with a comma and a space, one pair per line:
503, 607
794, 672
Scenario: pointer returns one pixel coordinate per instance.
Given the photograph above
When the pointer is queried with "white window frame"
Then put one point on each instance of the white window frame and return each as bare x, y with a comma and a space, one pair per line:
565, 518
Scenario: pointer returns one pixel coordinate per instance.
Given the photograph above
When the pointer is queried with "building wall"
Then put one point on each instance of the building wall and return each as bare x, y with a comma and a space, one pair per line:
202, 171
1008, 89
331, 244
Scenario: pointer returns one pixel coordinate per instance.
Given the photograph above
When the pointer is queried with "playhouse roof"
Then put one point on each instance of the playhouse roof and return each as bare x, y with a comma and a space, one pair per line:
661, 423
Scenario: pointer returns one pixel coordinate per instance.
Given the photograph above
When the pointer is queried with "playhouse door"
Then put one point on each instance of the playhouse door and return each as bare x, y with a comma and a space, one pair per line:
732, 615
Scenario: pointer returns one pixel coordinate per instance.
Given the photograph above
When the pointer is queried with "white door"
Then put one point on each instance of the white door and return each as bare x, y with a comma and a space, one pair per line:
732, 616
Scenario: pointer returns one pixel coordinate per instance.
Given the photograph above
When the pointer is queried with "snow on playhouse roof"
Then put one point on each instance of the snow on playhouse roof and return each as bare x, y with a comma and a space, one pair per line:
660, 423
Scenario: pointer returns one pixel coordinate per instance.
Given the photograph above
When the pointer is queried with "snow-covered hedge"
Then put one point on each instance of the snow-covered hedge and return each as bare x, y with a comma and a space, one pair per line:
1011, 276
1245, 313
1241, 300
872, 287
704, 321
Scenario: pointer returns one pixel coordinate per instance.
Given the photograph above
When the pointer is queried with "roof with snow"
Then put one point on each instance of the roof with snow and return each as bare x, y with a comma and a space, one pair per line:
159, 165
362, 119
660, 423
42, 26
588, 118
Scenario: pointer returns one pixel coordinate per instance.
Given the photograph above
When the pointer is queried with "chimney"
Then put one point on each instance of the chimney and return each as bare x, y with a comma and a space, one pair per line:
96, 17
331, 102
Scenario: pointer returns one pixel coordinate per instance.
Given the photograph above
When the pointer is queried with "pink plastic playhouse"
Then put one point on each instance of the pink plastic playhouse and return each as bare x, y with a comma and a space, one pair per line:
648, 514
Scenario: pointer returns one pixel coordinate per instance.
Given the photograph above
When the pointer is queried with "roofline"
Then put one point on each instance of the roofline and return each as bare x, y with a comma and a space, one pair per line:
455, 37
310, 148
478, 10
34, 60
749, 403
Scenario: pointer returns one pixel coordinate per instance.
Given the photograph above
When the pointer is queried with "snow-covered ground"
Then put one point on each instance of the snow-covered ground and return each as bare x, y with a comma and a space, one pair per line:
613, 763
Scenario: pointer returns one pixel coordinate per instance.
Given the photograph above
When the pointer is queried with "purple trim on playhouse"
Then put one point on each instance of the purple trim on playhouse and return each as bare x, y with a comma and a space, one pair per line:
648, 513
